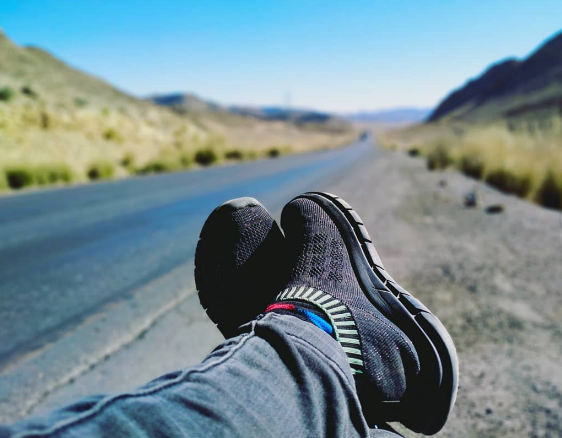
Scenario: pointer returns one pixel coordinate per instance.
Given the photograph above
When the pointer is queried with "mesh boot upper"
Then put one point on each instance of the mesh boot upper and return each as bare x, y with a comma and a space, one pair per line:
318, 258
234, 273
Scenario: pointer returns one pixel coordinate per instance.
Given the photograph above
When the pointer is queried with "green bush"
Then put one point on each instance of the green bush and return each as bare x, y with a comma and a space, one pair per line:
80, 102
251, 155
155, 166
439, 158
19, 177
100, 170
28, 91
185, 160
550, 191
6, 94
3, 180
414, 152
45, 120
273, 153
509, 182
472, 166
234, 154
206, 157
166, 163
111, 134
128, 161
52, 174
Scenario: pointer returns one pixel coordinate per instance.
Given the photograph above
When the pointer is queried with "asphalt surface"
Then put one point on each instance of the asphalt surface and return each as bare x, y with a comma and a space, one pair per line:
86, 271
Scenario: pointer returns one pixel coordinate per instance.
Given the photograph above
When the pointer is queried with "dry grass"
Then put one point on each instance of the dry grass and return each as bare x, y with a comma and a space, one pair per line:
529, 166
55, 117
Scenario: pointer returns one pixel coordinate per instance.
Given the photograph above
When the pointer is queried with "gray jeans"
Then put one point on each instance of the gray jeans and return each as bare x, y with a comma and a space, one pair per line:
281, 377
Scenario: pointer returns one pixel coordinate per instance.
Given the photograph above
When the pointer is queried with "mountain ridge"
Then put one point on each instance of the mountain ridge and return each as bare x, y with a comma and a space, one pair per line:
506, 86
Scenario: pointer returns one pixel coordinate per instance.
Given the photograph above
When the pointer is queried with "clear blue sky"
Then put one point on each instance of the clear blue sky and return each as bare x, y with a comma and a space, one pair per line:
340, 55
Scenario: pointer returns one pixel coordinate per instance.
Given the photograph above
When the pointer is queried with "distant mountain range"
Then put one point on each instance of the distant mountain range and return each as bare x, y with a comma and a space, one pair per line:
392, 115
511, 89
187, 103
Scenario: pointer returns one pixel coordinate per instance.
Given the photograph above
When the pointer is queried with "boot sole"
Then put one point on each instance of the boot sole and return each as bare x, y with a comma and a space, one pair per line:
426, 407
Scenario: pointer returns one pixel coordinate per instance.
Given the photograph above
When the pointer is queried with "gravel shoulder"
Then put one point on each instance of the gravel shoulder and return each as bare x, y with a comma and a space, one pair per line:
493, 279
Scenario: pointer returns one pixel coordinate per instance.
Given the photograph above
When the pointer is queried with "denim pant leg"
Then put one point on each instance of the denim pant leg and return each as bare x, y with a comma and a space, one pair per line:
283, 377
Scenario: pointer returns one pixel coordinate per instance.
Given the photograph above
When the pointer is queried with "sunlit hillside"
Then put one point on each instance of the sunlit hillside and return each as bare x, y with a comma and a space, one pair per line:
504, 127
61, 125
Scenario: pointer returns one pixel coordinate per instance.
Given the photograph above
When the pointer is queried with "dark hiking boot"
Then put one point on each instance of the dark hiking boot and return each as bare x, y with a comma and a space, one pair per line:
403, 359
235, 269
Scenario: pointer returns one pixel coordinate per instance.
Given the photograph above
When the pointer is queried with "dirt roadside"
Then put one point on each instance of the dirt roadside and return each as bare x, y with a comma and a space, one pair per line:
493, 279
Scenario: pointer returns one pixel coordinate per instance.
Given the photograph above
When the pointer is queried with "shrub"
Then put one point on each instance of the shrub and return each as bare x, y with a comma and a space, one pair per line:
154, 166
3, 180
550, 191
206, 157
252, 155
45, 120
19, 177
234, 154
414, 152
100, 170
472, 165
185, 160
273, 152
80, 102
111, 134
28, 91
128, 161
509, 182
166, 163
52, 174
439, 158
6, 94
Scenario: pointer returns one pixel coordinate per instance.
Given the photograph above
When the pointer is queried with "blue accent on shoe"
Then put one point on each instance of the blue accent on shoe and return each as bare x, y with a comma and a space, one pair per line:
317, 321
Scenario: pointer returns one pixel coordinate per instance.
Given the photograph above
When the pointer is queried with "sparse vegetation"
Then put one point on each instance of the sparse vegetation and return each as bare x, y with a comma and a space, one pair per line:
472, 165
100, 170
80, 102
19, 177
521, 164
234, 154
57, 114
509, 182
52, 174
550, 191
28, 91
439, 157
3, 181
6, 94
273, 152
414, 152
206, 156
166, 162
111, 134
128, 161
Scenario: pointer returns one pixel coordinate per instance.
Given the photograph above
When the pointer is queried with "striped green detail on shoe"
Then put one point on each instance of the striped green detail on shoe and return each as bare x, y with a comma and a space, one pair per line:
345, 329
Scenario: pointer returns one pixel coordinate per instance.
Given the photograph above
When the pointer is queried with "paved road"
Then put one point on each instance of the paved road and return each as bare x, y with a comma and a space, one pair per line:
125, 310
84, 271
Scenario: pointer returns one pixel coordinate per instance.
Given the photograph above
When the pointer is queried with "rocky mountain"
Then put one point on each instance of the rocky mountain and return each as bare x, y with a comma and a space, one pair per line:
512, 89
192, 104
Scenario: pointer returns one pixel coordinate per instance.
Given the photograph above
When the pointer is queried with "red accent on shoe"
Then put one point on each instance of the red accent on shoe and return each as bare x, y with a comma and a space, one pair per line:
278, 306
